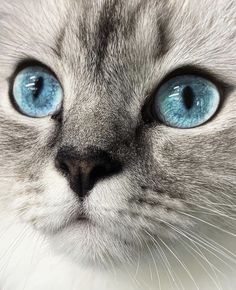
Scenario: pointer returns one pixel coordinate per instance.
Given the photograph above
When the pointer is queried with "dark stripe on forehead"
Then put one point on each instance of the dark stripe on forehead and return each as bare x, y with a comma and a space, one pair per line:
163, 43
59, 43
131, 19
107, 27
108, 31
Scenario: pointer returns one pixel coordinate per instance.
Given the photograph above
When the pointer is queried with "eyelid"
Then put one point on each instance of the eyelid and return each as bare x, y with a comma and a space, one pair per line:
30, 63
224, 87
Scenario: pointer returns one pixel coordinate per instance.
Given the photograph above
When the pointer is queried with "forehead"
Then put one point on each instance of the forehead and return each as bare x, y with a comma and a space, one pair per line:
137, 40
131, 40
108, 24
105, 27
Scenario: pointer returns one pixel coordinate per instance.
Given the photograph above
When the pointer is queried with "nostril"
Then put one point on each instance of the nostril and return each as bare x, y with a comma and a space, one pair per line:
98, 172
62, 166
101, 171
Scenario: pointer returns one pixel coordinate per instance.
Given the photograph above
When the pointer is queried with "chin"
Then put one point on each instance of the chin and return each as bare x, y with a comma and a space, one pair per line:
108, 228
89, 245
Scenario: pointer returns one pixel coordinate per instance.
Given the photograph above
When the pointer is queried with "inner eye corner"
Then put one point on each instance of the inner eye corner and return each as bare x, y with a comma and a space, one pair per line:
147, 111
58, 115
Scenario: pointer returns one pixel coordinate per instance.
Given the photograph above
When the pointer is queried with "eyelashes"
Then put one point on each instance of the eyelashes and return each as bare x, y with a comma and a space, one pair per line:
184, 101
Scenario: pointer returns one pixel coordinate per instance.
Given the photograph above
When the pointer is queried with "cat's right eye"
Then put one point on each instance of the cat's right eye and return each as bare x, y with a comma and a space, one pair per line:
36, 92
186, 101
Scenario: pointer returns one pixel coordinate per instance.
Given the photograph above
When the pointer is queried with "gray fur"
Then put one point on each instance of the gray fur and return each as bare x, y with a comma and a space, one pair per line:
109, 57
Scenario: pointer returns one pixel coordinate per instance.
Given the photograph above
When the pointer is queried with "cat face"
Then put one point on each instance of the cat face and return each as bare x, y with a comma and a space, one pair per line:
100, 177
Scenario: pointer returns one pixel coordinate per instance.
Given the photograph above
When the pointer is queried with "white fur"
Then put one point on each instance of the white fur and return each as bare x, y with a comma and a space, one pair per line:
30, 264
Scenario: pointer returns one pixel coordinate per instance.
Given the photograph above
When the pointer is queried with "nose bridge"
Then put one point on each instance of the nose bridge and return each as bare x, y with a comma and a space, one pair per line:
102, 125
92, 143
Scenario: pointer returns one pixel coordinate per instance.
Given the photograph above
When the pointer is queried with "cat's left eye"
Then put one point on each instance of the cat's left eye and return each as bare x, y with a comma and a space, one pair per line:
37, 92
186, 101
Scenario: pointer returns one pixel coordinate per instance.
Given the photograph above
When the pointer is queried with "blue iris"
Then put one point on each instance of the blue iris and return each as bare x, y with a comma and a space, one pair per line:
186, 101
37, 93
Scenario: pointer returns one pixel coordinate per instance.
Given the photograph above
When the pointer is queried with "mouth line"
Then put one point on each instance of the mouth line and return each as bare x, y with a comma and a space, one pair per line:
82, 219
84, 222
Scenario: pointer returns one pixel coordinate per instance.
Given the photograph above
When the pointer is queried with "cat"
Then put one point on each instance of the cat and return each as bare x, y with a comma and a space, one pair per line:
104, 187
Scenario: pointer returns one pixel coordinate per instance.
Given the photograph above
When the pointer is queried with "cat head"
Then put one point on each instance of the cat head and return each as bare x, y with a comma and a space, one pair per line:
105, 169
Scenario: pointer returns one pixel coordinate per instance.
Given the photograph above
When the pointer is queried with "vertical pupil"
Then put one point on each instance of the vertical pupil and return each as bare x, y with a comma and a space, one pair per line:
36, 85
188, 97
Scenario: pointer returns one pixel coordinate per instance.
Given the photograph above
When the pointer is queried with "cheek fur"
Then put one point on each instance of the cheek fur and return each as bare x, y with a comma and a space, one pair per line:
47, 203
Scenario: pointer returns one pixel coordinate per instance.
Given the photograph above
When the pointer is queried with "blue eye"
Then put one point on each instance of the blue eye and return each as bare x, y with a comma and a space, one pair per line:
37, 93
186, 101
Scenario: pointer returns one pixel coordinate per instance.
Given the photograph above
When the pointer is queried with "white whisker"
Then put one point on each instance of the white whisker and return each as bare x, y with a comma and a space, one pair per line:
166, 262
207, 223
